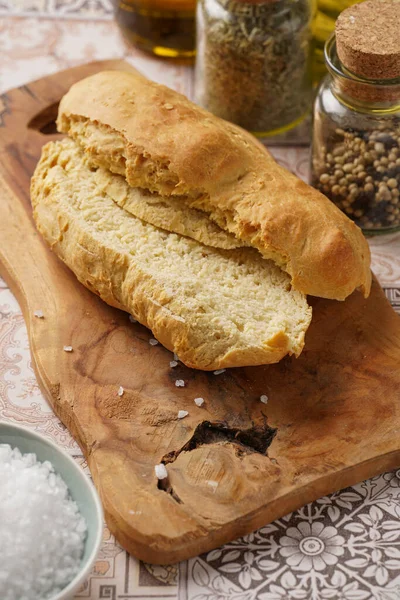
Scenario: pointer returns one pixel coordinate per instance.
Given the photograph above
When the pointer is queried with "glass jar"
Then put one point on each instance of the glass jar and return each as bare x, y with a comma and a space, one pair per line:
165, 28
253, 62
356, 145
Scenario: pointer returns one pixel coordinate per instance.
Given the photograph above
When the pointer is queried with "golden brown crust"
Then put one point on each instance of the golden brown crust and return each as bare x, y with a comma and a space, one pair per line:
165, 143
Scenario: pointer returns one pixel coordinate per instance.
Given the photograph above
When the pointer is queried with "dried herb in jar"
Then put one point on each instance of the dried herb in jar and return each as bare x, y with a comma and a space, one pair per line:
253, 61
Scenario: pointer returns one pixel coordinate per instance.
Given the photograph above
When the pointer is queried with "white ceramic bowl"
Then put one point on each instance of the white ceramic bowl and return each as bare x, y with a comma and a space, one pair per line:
81, 488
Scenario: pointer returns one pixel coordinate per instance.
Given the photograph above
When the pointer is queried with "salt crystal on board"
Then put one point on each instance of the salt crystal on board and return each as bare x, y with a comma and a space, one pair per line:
213, 484
161, 471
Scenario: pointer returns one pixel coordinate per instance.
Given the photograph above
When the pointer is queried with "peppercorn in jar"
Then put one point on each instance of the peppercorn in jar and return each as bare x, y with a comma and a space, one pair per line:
356, 137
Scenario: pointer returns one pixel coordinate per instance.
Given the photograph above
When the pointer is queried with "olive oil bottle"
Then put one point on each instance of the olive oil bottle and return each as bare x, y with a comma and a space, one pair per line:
165, 28
324, 26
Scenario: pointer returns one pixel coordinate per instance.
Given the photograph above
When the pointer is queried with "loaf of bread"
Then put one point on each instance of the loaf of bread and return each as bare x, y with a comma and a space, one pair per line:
215, 308
162, 143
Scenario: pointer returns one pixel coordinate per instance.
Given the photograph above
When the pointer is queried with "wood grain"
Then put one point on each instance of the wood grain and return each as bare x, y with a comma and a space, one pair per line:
332, 418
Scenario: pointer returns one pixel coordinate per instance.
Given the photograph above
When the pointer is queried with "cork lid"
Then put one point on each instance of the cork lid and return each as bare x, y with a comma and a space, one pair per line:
368, 39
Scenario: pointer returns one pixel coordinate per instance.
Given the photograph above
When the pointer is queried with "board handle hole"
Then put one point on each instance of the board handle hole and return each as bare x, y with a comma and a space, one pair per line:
45, 120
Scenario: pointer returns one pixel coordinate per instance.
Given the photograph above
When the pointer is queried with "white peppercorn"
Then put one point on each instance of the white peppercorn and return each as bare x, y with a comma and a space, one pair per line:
362, 176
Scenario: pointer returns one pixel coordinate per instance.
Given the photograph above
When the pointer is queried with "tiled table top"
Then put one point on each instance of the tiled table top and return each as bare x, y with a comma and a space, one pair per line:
342, 547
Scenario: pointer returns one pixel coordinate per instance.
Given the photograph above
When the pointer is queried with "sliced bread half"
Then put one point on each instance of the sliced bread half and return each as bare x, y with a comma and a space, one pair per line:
215, 308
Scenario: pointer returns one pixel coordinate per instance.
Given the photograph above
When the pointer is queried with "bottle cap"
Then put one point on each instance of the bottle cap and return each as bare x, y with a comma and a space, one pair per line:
368, 39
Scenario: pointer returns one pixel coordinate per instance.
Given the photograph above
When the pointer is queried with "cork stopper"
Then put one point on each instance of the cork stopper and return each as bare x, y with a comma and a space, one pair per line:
368, 39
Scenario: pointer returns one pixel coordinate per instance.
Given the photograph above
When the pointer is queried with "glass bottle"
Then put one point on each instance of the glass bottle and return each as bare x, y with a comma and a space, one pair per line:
356, 145
253, 62
165, 28
324, 26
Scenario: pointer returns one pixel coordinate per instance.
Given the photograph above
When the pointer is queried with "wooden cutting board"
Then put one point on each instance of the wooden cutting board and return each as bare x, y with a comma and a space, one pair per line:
332, 418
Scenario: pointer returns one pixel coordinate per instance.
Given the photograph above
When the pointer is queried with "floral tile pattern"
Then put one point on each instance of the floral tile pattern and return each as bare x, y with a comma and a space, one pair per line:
345, 546
342, 547
82, 9
48, 46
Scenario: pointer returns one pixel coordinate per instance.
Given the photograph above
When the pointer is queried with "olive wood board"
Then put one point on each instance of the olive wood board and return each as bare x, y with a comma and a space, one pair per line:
234, 464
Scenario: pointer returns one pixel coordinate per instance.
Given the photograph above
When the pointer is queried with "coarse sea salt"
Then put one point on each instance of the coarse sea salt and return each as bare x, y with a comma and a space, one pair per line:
42, 532
199, 401
213, 484
161, 471
180, 383
264, 399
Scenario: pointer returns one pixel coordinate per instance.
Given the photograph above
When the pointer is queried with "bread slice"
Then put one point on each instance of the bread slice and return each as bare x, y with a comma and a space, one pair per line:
167, 212
159, 141
215, 308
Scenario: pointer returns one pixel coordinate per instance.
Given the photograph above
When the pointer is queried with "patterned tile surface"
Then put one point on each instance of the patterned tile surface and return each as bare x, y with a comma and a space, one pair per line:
68, 9
342, 547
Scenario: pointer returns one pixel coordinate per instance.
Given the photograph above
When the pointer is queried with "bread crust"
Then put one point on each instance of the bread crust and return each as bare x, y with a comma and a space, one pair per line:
102, 244
161, 141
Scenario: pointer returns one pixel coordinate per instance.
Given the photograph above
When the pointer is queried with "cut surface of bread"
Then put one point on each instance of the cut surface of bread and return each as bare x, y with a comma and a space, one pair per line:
160, 141
166, 212
215, 308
